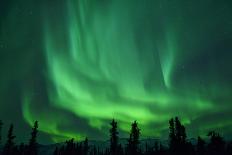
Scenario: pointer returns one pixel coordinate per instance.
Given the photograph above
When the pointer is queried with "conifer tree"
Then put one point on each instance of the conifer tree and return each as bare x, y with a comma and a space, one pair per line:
70, 147
172, 137
133, 142
113, 138
180, 133
86, 146
10, 145
32, 147
177, 137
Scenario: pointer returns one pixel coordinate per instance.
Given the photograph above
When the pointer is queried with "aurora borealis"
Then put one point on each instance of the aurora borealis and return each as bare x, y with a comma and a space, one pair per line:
74, 65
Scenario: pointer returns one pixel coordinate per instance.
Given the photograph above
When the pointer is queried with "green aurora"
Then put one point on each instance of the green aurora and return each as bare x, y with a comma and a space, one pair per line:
147, 60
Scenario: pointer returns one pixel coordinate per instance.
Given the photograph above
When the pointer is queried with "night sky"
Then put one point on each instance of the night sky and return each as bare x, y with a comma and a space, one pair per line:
73, 65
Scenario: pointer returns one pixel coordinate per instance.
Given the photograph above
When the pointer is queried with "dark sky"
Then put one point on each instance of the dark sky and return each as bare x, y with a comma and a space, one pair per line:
74, 65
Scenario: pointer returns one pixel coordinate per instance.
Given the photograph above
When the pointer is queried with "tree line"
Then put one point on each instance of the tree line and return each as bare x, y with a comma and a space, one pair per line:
178, 143
10, 148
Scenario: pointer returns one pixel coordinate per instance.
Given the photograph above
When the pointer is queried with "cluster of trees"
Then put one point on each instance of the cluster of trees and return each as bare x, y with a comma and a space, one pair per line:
10, 148
178, 143
73, 148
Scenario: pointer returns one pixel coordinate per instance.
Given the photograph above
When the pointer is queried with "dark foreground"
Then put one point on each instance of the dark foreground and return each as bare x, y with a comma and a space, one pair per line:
177, 144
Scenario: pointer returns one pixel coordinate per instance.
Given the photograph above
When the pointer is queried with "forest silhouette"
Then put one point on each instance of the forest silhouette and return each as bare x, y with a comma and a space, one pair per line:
178, 144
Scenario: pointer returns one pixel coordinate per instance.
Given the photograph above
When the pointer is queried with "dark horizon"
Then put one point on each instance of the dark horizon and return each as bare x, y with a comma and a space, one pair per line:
74, 65
178, 143
126, 137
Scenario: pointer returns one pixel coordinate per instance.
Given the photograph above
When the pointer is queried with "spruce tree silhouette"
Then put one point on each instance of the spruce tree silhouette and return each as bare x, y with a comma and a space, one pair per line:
177, 137
10, 145
32, 147
79, 149
200, 146
113, 138
178, 144
86, 146
216, 145
180, 133
172, 137
70, 147
133, 142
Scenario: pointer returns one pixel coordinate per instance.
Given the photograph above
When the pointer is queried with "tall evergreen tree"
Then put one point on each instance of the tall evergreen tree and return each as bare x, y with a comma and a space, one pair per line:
133, 142
70, 147
180, 132
177, 137
113, 138
172, 137
183, 135
32, 147
10, 145
86, 146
